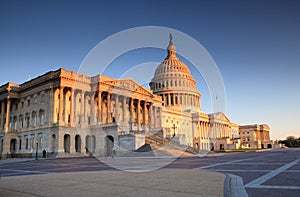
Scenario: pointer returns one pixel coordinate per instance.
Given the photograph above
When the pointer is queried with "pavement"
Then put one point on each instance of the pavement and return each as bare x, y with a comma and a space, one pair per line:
116, 183
121, 177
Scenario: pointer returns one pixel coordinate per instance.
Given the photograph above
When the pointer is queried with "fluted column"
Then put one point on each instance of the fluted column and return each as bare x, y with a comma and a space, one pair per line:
154, 116
124, 110
52, 104
7, 114
138, 114
2, 115
72, 106
131, 108
61, 98
100, 117
93, 108
117, 108
150, 116
174, 99
169, 99
82, 107
144, 114
108, 116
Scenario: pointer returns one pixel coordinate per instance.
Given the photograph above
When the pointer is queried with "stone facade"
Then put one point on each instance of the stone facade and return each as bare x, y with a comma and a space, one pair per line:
65, 112
255, 136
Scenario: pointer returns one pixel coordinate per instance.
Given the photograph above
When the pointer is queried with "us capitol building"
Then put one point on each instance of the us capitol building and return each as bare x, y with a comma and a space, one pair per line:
67, 113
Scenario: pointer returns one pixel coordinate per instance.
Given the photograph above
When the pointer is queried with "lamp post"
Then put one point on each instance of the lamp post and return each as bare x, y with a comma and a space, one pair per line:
174, 127
37, 148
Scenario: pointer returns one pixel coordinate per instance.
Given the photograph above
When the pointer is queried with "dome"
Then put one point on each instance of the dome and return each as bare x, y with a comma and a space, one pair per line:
172, 78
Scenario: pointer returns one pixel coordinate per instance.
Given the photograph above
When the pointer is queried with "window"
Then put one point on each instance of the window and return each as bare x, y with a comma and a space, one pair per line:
41, 142
22, 123
27, 121
34, 119
28, 102
20, 144
42, 118
42, 98
22, 104
32, 143
35, 100
26, 144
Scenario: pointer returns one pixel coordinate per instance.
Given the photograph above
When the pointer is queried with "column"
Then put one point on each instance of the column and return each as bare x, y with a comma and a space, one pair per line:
174, 99
144, 114
72, 106
150, 116
186, 99
124, 110
52, 104
117, 108
61, 97
7, 114
93, 108
108, 111
131, 108
65, 115
138, 114
2, 115
154, 116
82, 108
100, 117
169, 99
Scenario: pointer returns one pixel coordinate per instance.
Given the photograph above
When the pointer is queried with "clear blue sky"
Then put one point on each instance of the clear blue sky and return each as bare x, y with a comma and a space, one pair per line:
256, 45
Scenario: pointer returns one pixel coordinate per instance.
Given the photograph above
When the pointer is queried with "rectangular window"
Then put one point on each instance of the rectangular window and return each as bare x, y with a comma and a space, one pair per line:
28, 102
26, 144
20, 144
42, 98
40, 142
35, 100
32, 143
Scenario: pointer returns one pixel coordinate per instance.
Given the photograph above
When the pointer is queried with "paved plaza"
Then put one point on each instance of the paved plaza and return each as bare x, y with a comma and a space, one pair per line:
267, 173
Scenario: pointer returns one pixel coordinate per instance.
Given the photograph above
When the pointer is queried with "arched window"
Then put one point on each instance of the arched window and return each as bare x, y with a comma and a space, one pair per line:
41, 117
34, 119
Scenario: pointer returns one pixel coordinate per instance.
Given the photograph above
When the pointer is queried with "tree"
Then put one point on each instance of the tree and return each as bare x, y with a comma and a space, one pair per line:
291, 141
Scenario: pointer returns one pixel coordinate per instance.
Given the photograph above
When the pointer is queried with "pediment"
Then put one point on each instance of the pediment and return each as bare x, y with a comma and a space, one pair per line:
221, 116
130, 85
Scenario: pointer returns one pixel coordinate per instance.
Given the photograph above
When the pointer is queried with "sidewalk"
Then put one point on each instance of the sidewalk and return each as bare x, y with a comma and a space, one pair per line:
116, 183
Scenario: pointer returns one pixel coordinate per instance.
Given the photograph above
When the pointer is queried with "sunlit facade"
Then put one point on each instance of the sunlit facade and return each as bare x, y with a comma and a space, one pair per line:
67, 113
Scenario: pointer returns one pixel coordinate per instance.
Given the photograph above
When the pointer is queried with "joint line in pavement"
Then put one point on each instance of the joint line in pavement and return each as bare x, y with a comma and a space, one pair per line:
223, 163
257, 182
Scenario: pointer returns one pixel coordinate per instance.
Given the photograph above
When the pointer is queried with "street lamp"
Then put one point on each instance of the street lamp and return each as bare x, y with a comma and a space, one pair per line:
37, 148
174, 127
